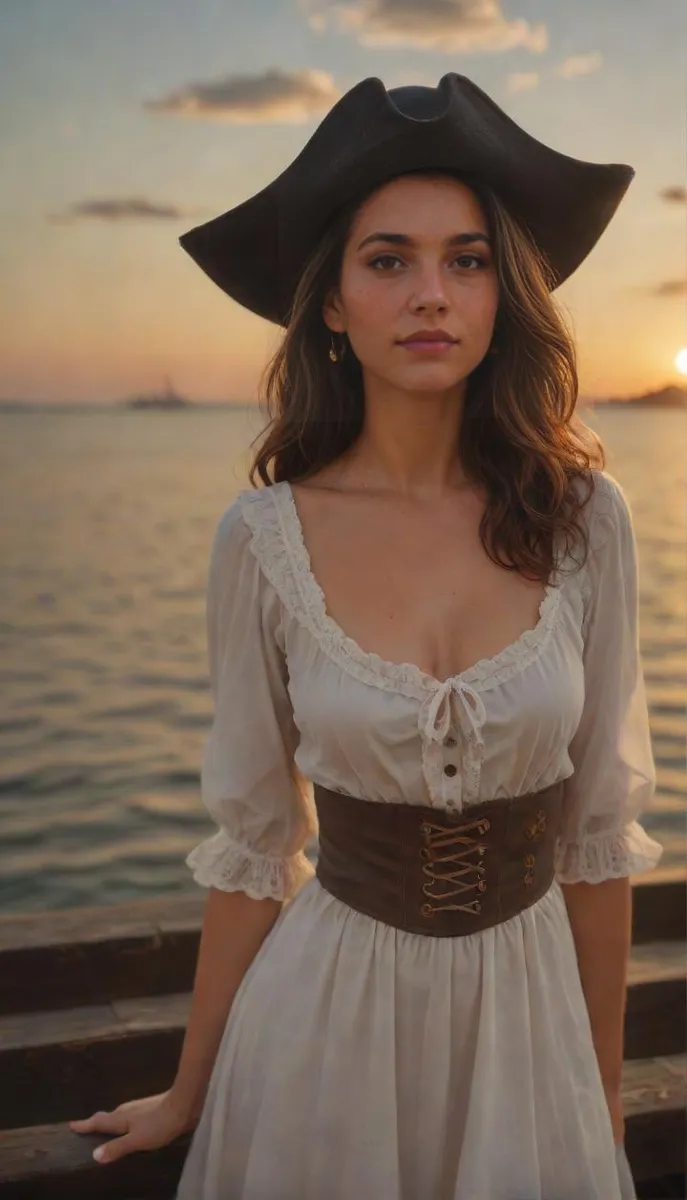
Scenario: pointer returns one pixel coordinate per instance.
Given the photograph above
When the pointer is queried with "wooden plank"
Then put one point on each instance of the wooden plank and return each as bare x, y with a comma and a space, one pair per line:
654, 1105
92, 955
656, 1000
668, 1187
64, 1064
50, 1162
149, 947
659, 908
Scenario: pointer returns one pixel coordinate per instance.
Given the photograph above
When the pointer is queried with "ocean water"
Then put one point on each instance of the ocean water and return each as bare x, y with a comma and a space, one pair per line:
107, 520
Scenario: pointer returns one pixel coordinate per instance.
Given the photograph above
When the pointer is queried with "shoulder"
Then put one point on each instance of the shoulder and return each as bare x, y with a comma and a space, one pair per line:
606, 510
240, 523
250, 551
231, 536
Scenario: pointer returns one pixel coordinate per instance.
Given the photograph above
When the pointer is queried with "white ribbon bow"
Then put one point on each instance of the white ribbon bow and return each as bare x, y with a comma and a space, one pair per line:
470, 711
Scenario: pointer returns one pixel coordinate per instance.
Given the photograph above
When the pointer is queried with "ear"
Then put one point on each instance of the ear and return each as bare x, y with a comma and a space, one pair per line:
333, 313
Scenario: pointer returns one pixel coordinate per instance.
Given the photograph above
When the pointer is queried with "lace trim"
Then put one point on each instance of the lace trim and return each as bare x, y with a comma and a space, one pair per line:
223, 863
600, 856
277, 542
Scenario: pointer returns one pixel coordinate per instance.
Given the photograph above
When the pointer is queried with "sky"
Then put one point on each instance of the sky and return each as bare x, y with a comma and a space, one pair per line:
125, 122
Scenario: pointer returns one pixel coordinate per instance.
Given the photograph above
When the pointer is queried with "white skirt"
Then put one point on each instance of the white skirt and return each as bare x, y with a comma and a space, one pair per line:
361, 1062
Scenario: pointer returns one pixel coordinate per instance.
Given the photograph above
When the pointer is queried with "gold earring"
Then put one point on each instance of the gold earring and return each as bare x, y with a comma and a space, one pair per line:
332, 350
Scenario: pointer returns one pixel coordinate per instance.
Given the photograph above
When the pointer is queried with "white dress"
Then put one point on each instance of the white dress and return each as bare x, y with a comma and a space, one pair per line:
361, 1062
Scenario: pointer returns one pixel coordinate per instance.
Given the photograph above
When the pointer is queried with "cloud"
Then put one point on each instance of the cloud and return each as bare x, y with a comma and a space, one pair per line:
289, 97
675, 194
523, 81
579, 64
133, 208
443, 25
670, 287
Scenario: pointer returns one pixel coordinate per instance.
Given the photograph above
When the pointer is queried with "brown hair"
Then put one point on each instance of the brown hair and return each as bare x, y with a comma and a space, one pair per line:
520, 438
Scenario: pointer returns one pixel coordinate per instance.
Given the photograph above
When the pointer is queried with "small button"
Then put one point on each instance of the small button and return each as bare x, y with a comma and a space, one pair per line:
449, 741
450, 769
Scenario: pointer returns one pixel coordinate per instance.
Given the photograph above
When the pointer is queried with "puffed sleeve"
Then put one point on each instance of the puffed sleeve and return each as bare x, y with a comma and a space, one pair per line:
614, 775
249, 782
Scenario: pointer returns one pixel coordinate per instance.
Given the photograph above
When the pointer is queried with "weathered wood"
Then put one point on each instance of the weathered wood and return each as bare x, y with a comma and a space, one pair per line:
654, 1105
668, 1187
659, 908
50, 1162
92, 955
656, 1000
149, 947
64, 1064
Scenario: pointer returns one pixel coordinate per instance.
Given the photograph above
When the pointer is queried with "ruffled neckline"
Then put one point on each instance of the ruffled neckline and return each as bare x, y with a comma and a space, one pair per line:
279, 543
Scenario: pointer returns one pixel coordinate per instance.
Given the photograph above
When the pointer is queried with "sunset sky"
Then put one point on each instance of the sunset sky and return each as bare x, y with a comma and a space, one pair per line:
125, 122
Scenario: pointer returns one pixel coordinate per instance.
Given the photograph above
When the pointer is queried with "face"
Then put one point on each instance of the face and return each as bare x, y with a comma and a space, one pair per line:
417, 258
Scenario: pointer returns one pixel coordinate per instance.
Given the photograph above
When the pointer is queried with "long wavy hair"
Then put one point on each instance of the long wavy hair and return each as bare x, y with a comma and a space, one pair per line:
520, 438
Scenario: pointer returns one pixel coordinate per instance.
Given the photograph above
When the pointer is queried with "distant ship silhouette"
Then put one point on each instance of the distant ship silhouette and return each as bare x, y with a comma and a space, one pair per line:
168, 398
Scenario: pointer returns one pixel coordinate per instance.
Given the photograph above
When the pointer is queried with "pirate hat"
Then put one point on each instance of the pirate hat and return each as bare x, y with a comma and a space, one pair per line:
256, 251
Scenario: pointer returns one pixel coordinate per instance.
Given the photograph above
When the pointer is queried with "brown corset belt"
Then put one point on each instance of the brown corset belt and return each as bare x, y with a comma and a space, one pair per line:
429, 870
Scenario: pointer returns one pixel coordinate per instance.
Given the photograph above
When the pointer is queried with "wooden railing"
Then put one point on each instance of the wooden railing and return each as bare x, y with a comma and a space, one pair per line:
93, 1005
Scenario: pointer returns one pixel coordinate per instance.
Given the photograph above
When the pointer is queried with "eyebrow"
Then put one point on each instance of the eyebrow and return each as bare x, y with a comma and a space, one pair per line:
403, 239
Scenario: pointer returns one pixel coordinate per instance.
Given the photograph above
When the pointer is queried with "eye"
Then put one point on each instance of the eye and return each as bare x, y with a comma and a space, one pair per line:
386, 261
476, 258
384, 258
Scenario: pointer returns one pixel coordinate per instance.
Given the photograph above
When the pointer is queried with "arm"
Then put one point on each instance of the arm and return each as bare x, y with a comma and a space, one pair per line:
613, 781
234, 928
600, 917
256, 860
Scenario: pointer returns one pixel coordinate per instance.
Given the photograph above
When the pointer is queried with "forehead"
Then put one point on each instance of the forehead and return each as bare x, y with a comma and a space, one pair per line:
416, 204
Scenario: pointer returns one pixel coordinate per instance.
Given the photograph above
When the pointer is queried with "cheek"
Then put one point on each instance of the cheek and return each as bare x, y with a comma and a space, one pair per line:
372, 315
364, 301
479, 311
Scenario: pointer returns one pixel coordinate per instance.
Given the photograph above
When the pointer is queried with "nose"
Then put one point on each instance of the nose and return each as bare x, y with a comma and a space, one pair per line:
430, 292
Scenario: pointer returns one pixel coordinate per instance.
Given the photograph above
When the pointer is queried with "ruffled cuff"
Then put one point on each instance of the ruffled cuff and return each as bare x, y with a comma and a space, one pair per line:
607, 855
225, 864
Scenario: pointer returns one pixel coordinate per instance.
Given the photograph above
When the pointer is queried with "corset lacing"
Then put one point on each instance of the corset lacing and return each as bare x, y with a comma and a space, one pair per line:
438, 837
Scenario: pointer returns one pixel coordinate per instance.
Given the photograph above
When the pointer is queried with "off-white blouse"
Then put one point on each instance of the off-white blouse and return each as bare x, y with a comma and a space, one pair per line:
297, 700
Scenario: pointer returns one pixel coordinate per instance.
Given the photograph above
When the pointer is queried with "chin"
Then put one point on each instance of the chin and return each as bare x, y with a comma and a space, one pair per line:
431, 378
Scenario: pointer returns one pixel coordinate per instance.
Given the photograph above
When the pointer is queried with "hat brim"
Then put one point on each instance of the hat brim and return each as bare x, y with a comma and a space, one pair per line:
256, 251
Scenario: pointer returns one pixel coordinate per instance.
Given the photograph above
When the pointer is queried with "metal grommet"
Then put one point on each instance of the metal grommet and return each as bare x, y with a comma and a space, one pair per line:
426, 910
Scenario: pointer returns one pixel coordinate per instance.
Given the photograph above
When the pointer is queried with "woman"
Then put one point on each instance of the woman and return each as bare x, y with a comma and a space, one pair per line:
431, 614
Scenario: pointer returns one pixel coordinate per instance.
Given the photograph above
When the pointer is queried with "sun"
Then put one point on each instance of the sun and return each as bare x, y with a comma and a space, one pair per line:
681, 360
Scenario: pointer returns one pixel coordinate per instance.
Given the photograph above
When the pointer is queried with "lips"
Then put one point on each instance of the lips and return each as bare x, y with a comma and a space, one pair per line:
428, 335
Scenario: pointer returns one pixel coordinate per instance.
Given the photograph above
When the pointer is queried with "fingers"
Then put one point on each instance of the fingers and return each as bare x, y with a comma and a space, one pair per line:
102, 1122
115, 1149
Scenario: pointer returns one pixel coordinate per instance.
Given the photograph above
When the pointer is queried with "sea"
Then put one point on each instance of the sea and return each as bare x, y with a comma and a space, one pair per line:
107, 520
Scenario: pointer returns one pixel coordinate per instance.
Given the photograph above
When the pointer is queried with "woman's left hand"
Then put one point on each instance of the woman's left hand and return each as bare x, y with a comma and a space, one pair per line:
614, 1099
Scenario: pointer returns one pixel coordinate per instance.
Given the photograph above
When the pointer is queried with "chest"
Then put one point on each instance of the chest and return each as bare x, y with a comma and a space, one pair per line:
411, 584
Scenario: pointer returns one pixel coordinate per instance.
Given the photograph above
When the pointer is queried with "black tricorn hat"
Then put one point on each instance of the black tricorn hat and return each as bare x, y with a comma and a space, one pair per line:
256, 251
